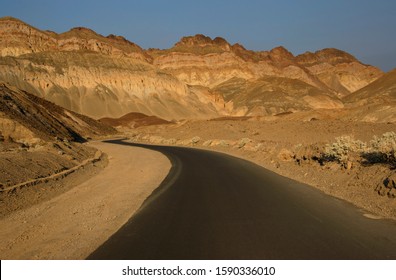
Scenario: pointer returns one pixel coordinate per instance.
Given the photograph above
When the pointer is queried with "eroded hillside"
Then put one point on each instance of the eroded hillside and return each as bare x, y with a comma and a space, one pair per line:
109, 76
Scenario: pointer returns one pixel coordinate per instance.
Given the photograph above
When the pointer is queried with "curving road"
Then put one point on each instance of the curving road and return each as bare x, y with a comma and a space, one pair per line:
215, 206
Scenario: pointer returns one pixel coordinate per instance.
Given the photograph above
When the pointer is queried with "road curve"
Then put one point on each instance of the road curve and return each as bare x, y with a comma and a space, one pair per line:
215, 206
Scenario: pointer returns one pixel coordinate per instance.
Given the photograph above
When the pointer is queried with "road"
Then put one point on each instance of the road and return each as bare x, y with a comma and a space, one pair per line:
215, 206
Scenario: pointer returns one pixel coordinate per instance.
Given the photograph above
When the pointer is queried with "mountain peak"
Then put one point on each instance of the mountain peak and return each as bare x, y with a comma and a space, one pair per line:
8, 18
83, 29
282, 51
81, 32
328, 55
200, 40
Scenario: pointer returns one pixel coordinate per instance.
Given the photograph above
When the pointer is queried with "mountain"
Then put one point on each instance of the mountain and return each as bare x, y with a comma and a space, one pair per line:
133, 120
199, 60
339, 70
110, 76
93, 75
19, 38
274, 95
376, 101
26, 118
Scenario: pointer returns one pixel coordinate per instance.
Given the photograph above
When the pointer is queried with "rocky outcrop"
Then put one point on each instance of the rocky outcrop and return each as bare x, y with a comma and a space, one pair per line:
133, 120
274, 95
375, 102
110, 76
17, 38
27, 119
199, 60
103, 86
339, 70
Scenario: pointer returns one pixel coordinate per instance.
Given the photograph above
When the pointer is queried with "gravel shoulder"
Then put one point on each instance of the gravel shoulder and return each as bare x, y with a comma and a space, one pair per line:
73, 224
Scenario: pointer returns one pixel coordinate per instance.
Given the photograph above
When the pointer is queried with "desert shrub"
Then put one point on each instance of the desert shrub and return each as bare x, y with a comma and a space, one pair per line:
382, 149
341, 149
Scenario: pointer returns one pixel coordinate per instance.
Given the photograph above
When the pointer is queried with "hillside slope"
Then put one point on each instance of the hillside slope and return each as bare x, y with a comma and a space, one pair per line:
109, 76
40, 140
24, 116
375, 102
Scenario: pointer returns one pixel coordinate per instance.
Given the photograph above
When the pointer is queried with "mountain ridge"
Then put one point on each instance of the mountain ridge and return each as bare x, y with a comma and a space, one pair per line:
110, 76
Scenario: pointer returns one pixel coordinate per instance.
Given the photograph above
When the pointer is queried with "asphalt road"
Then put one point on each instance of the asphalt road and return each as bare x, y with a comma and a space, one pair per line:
215, 206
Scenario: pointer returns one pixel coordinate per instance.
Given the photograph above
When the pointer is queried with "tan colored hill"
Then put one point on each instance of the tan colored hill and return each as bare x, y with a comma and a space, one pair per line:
94, 75
109, 76
200, 60
274, 95
38, 141
375, 102
26, 118
103, 86
19, 38
134, 120
339, 70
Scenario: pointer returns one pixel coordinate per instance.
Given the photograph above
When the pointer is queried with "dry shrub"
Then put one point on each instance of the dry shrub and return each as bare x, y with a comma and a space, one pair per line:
343, 147
379, 150
382, 149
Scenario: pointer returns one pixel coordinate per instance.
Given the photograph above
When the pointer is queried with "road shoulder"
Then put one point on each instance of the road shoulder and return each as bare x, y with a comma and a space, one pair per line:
72, 225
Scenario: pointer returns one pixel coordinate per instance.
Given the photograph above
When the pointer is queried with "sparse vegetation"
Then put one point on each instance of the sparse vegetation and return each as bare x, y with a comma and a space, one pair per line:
380, 149
342, 149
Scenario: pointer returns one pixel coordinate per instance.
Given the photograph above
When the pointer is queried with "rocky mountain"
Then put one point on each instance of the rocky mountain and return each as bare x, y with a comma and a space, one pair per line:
26, 118
339, 70
93, 75
274, 95
376, 101
109, 76
19, 38
133, 120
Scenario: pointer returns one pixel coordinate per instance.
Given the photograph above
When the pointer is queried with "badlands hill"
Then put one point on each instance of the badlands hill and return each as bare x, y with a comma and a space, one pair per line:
375, 102
26, 118
133, 120
39, 139
109, 76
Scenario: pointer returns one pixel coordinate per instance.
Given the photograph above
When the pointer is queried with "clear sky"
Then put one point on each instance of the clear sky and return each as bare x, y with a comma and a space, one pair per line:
364, 28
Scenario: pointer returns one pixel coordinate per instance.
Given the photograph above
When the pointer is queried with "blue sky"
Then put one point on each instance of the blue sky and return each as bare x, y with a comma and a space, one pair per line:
364, 28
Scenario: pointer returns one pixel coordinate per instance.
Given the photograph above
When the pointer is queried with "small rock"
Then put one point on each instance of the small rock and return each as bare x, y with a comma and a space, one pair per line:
207, 143
195, 140
392, 193
243, 142
285, 155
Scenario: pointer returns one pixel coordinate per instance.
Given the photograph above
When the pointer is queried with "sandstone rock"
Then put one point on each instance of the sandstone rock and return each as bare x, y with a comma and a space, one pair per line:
195, 140
241, 143
285, 155
207, 143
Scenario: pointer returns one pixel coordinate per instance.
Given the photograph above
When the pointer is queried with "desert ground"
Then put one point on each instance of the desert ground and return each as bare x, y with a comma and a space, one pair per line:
94, 204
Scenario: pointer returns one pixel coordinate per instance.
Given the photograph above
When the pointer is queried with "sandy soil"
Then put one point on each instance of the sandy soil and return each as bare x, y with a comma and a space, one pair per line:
73, 224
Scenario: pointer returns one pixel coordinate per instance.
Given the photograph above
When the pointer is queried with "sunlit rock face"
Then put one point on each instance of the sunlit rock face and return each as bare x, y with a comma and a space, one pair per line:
339, 70
109, 76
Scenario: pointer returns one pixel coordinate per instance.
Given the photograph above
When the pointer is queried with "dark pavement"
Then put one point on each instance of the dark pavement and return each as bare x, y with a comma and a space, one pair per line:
215, 206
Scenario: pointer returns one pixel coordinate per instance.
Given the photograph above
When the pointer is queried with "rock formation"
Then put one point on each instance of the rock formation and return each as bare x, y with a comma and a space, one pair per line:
26, 118
109, 76
376, 101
